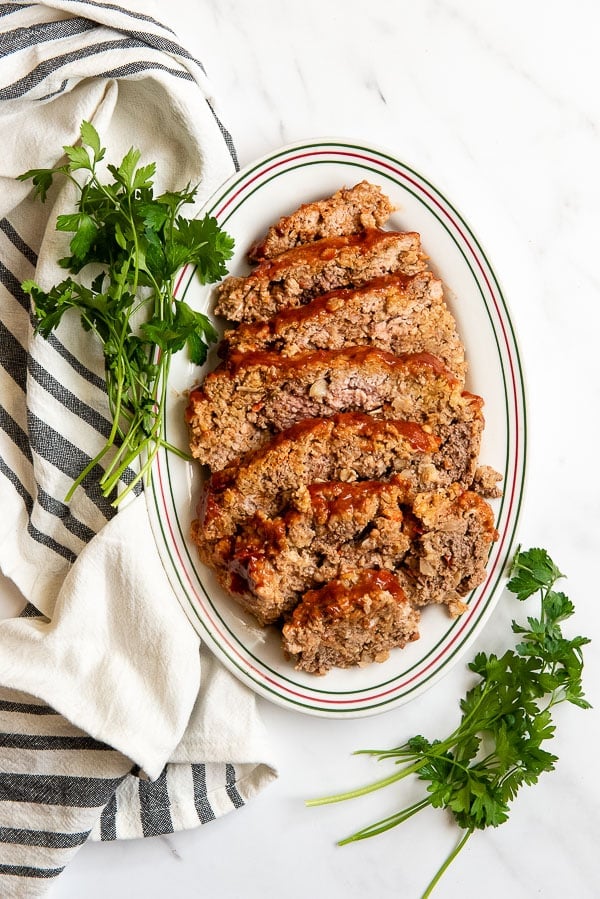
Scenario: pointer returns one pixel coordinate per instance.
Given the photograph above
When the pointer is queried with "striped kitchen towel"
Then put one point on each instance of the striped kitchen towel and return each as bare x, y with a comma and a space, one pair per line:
114, 722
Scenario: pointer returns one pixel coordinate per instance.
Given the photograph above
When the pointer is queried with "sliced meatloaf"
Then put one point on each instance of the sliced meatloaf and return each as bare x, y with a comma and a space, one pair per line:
348, 211
436, 543
271, 562
354, 620
298, 275
396, 313
350, 446
254, 395
456, 532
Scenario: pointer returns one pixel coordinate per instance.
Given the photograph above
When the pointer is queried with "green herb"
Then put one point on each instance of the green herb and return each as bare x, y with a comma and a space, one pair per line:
477, 771
137, 243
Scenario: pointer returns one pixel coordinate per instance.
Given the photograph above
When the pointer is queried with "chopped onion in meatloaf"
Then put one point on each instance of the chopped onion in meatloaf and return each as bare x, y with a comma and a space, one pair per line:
344, 491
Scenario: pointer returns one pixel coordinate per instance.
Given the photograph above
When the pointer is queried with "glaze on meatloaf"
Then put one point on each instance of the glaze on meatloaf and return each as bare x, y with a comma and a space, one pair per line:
296, 276
354, 620
436, 543
348, 211
349, 447
396, 313
244, 402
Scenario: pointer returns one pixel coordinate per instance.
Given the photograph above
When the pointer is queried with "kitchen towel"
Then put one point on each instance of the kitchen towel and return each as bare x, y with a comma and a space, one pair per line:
114, 722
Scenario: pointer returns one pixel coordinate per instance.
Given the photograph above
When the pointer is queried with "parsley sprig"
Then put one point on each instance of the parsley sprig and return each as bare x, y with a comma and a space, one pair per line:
137, 243
497, 748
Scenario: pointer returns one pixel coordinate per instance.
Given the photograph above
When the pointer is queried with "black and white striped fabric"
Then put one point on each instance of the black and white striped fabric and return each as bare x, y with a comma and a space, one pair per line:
73, 681
60, 787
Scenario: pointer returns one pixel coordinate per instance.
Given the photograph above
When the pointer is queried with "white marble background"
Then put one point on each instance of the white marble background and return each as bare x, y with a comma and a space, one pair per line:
498, 105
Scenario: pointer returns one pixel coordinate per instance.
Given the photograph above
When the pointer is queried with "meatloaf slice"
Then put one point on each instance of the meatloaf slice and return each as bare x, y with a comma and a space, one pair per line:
350, 446
254, 395
270, 562
298, 275
346, 212
396, 313
437, 544
354, 620
456, 532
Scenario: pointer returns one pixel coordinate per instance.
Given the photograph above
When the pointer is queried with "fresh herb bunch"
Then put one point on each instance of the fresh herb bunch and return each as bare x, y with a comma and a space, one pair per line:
140, 242
477, 771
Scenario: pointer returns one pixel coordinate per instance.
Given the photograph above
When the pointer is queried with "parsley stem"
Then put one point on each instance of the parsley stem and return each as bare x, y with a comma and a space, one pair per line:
88, 468
152, 441
387, 823
369, 788
443, 868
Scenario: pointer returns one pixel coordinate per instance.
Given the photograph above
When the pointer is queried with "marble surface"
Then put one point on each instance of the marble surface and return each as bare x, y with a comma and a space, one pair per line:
496, 104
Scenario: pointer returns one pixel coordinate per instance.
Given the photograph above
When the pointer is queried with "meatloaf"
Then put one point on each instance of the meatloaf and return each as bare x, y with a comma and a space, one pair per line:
296, 276
270, 562
346, 212
350, 446
254, 395
396, 313
354, 620
456, 532
437, 544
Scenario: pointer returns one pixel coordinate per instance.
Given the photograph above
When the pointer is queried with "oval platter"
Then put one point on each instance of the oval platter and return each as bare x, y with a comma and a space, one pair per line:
245, 206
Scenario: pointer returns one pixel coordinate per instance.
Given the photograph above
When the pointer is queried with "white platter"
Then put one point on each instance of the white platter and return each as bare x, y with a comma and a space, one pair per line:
245, 206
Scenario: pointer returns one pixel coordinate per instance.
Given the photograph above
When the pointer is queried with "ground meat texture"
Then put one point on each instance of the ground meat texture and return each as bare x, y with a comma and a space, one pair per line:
457, 530
400, 314
244, 402
346, 212
298, 275
349, 447
436, 544
354, 620
271, 562
486, 480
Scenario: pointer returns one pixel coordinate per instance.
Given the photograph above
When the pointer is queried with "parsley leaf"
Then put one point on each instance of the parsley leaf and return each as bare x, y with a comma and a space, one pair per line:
532, 570
497, 747
140, 241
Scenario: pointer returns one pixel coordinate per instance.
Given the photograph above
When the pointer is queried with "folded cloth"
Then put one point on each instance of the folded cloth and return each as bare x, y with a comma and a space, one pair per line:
113, 721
